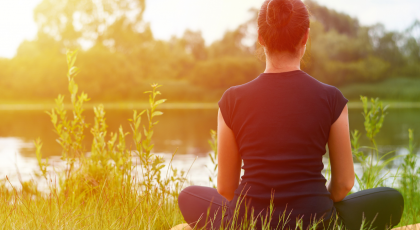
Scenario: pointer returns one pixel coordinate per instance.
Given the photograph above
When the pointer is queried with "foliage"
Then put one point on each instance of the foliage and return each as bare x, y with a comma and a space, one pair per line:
372, 164
106, 177
152, 165
410, 180
333, 20
122, 54
227, 71
70, 21
213, 157
42, 165
393, 89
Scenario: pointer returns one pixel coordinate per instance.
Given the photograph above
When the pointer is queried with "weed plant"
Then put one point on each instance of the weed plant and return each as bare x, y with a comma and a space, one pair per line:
213, 158
410, 183
373, 163
111, 186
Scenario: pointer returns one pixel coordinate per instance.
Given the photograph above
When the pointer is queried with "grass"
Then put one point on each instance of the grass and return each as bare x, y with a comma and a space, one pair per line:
112, 207
114, 187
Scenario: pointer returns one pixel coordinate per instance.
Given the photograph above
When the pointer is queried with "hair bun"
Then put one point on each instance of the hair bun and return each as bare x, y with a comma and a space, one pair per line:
279, 12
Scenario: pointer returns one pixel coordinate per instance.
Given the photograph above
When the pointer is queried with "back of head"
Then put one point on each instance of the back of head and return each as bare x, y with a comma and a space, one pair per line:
282, 24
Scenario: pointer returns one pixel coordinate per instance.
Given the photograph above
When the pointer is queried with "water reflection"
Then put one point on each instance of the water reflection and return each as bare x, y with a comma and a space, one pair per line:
187, 130
18, 167
12, 161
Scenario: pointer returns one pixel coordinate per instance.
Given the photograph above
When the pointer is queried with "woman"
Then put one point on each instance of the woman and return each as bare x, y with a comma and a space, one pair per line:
278, 125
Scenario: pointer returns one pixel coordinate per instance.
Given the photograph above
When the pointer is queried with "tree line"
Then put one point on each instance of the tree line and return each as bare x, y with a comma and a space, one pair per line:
123, 57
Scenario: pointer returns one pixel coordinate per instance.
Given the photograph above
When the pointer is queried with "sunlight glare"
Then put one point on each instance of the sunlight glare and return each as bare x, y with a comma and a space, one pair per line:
16, 24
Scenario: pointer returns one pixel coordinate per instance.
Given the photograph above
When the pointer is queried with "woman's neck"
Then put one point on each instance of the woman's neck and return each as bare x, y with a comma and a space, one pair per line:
282, 62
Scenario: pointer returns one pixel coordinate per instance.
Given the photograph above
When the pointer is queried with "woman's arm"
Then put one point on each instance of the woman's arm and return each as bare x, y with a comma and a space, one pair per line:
342, 169
229, 160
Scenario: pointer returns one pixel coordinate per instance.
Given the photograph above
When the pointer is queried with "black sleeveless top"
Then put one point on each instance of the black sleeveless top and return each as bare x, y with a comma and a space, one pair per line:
281, 123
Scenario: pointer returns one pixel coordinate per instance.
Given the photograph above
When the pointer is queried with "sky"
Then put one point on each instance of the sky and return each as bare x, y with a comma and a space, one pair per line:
212, 17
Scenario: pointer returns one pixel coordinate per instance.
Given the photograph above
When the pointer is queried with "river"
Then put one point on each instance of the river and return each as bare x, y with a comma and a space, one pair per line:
187, 130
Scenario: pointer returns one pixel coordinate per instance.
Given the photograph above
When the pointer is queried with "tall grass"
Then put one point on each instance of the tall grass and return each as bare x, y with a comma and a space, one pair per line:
113, 186
410, 183
373, 163
108, 187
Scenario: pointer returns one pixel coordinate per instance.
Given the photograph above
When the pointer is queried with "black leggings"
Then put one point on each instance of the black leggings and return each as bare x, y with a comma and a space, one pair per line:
383, 205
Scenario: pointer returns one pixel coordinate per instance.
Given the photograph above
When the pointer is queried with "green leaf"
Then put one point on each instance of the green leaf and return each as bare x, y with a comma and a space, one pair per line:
145, 144
150, 134
75, 89
71, 58
138, 123
150, 148
145, 131
73, 71
360, 182
54, 118
138, 138
156, 113
160, 102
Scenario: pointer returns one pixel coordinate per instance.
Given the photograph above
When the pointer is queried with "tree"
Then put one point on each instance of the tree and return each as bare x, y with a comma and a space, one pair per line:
333, 20
85, 20
194, 44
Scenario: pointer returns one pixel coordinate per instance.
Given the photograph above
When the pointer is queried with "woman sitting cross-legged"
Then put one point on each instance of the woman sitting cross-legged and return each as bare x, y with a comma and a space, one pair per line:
278, 125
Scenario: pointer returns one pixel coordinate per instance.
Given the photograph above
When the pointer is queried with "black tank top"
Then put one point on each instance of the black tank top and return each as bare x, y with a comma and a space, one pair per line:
281, 123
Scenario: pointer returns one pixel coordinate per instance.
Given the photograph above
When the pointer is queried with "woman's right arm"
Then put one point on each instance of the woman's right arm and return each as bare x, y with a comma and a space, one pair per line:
342, 169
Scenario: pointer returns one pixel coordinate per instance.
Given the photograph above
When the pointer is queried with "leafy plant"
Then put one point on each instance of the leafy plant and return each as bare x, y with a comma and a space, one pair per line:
410, 179
42, 164
372, 164
213, 157
110, 161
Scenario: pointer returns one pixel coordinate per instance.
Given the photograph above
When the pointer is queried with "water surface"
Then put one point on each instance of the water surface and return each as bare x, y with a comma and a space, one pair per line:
187, 130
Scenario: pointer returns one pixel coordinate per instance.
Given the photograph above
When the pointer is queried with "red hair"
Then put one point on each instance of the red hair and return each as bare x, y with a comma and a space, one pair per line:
282, 24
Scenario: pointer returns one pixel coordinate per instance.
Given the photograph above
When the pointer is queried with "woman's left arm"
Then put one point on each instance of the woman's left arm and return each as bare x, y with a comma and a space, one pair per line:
229, 160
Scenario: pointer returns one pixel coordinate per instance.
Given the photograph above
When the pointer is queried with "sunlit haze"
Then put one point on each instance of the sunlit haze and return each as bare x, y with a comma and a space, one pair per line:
213, 18
16, 24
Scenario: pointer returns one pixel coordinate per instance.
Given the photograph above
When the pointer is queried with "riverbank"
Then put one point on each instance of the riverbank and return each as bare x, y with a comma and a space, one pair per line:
392, 89
402, 92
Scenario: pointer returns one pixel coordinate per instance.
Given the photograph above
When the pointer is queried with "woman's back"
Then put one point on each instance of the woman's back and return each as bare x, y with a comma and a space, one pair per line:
281, 123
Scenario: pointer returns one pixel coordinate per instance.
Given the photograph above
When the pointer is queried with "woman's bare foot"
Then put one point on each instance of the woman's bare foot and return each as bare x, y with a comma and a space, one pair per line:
184, 227
409, 227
